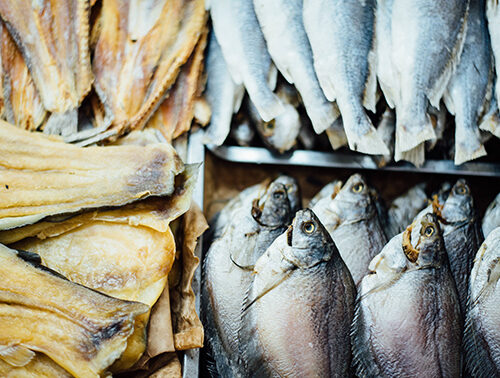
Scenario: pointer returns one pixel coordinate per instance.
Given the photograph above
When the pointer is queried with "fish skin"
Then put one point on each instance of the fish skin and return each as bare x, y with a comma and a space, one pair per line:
470, 87
227, 269
346, 74
221, 92
405, 208
491, 219
462, 236
385, 129
493, 15
330, 189
352, 220
481, 336
283, 28
336, 134
426, 50
242, 132
491, 120
245, 52
410, 298
299, 307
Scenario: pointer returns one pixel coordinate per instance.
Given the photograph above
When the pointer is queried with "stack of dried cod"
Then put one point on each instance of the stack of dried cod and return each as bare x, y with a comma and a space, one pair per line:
117, 66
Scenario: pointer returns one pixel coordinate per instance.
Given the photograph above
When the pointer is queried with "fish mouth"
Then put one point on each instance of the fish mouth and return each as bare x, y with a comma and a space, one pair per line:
410, 252
289, 235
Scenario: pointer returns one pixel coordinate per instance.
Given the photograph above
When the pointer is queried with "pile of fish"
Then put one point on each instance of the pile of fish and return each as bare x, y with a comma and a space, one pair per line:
400, 65
96, 70
351, 285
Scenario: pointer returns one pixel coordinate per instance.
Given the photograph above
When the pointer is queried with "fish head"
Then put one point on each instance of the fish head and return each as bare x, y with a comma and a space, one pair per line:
354, 201
273, 209
429, 249
292, 190
309, 243
459, 206
281, 132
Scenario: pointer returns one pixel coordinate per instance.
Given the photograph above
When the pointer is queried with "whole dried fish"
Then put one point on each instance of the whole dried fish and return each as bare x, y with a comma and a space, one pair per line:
23, 105
491, 219
222, 93
351, 218
228, 265
482, 337
84, 335
288, 45
70, 178
299, 308
493, 15
470, 86
341, 34
426, 49
53, 39
462, 236
139, 51
244, 48
407, 318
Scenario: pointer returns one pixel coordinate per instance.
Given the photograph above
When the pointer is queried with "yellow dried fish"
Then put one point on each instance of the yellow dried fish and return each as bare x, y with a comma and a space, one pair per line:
81, 330
23, 105
176, 113
53, 38
140, 49
40, 366
42, 176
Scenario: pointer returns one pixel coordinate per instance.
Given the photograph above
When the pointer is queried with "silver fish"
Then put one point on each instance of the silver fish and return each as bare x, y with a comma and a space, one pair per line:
493, 15
352, 220
341, 34
283, 29
227, 270
407, 320
299, 307
427, 40
491, 219
470, 86
242, 132
405, 208
482, 323
244, 49
281, 132
222, 93
462, 235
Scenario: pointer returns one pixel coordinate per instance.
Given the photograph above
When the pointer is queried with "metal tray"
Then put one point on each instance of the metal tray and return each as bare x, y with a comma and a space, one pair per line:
260, 155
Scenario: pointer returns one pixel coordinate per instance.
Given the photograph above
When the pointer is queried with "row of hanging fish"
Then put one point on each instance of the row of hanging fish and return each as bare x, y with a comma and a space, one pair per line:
93, 72
426, 56
349, 283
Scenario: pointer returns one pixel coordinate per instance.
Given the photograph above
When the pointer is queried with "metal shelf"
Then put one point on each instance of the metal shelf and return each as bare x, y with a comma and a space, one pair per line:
259, 155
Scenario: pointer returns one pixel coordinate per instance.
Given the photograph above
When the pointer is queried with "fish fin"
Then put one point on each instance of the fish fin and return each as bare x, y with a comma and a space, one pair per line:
448, 102
366, 141
416, 155
323, 116
336, 134
266, 290
406, 139
64, 124
441, 84
463, 153
491, 123
370, 92
16, 355
243, 267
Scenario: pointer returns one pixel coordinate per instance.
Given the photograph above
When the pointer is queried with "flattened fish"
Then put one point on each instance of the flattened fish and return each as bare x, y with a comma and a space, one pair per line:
426, 49
407, 320
341, 34
245, 52
491, 219
462, 235
482, 324
176, 113
138, 54
299, 308
227, 270
351, 218
53, 39
493, 15
470, 87
84, 335
288, 45
70, 178
23, 105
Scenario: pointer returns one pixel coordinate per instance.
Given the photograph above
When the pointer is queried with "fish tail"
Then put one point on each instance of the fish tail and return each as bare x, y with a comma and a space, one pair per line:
322, 115
412, 130
491, 123
468, 144
267, 103
336, 134
326, 81
416, 155
64, 124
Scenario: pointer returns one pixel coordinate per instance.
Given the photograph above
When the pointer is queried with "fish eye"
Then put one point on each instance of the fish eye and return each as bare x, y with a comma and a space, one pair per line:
309, 227
270, 125
462, 190
358, 188
429, 231
279, 194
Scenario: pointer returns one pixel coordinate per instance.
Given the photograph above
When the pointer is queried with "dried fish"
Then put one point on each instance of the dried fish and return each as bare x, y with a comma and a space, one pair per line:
40, 366
493, 15
53, 39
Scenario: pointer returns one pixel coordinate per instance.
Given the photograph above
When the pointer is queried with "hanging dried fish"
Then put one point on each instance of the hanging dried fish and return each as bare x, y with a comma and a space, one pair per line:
40, 176
138, 54
53, 39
